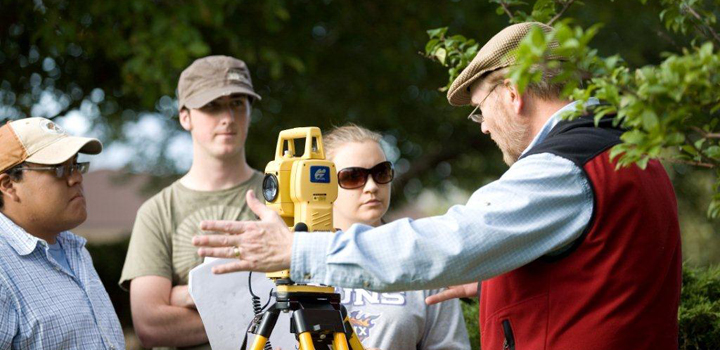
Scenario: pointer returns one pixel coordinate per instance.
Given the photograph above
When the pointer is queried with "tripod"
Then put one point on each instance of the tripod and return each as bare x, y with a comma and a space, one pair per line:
302, 190
318, 319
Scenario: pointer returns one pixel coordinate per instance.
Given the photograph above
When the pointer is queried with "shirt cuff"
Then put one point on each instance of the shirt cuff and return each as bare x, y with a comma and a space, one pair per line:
309, 256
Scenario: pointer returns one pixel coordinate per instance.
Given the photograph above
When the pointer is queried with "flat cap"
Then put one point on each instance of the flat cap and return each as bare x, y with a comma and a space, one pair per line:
491, 57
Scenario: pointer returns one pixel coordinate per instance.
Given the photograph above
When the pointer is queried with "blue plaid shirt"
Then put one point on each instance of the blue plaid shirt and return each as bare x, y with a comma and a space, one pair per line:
42, 306
538, 207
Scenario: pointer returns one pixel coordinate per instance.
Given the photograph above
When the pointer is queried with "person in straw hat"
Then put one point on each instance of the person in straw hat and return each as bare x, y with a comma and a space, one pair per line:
571, 253
51, 297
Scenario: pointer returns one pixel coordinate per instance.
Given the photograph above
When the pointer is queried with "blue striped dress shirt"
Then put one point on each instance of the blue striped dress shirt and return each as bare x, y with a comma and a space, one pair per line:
42, 306
538, 207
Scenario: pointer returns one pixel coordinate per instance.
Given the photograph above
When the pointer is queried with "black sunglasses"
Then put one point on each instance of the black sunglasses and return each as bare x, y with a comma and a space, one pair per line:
351, 178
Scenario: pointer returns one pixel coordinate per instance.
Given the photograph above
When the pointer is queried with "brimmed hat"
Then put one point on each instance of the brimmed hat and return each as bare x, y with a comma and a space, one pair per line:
491, 57
40, 141
211, 77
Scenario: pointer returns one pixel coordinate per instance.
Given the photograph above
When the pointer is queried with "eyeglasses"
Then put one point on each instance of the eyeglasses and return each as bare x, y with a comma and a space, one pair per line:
476, 114
351, 178
62, 170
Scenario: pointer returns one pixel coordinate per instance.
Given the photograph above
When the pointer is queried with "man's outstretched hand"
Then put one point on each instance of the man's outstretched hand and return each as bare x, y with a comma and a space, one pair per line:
469, 290
264, 245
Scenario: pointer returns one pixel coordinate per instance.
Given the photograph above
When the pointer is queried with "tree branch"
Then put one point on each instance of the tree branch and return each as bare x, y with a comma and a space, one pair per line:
705, 134
688, 162
704, 25
562, 11
507, 10
663, 35
429, 161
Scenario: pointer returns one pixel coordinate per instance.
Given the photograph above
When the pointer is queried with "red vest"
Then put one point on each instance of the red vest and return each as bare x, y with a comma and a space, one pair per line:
619, 286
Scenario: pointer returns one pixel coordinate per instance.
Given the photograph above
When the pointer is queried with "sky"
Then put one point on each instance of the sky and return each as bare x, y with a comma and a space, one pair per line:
144, 135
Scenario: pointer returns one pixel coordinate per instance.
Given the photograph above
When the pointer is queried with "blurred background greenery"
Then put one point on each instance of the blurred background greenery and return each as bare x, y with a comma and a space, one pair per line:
110, 66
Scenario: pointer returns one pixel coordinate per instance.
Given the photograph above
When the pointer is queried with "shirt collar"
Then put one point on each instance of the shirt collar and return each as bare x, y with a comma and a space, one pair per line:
554, 119
25, 243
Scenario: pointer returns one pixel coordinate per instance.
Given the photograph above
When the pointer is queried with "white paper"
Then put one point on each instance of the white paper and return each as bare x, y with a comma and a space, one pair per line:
225, 306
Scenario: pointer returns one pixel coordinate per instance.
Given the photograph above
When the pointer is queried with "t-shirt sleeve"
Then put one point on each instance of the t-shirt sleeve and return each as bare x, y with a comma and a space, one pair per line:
150, 249
444, 326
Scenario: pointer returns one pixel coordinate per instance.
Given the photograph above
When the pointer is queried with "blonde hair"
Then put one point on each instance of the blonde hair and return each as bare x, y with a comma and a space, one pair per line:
350, 132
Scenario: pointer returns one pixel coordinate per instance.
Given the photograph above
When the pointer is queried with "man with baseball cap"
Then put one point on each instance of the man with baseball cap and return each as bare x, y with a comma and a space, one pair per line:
572, 253
50, 294
215, 96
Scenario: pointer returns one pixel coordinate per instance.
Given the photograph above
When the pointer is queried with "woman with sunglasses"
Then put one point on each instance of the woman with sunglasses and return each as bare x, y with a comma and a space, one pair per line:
390, 321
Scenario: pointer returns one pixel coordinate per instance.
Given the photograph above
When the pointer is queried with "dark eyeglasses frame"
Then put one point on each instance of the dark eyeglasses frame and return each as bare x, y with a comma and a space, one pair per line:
478, 117
61, 170
374, 172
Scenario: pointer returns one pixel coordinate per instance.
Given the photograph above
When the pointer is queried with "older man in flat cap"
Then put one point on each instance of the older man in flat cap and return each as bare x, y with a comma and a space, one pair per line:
572, 253
50, 294
215, 97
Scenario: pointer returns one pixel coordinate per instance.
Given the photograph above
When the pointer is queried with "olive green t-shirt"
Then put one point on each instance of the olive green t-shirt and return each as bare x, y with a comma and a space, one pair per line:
161, 241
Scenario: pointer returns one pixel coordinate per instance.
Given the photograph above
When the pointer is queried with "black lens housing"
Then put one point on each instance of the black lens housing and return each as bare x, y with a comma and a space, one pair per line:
270, 187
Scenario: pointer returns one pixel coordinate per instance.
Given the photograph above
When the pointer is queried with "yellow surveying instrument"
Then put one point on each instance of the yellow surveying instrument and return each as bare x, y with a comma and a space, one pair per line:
302, 190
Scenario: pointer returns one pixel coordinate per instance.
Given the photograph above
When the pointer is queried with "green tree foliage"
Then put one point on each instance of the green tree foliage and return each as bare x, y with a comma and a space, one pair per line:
699, 313
670, 109
320, 63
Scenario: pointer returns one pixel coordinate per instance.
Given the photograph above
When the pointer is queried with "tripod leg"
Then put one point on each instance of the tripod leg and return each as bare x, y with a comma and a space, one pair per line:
340, 341
350, 337
263, 331
258, 343
306, 342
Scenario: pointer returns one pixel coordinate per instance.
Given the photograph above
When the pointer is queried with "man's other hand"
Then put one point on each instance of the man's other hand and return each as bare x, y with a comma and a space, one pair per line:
264, 245
463, 291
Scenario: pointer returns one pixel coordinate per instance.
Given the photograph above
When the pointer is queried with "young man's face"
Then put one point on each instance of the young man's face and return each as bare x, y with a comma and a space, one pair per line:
52, 203
220, 127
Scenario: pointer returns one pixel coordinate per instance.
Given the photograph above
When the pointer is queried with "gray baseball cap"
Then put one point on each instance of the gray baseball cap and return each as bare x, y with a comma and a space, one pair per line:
211, 77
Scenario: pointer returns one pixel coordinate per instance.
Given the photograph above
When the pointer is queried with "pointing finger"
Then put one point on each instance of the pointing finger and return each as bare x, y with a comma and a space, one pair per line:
216, 241
442, 296
234, 266
226, 226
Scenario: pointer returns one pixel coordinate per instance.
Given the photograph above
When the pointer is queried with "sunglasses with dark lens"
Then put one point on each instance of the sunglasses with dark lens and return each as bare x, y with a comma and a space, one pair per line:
62, 170
351, 178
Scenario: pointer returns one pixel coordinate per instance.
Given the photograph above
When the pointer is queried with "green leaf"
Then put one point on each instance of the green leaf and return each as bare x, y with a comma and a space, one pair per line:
430, 46
437, 32
650, 119
441, 54
689, 150
713, 152
633, 136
